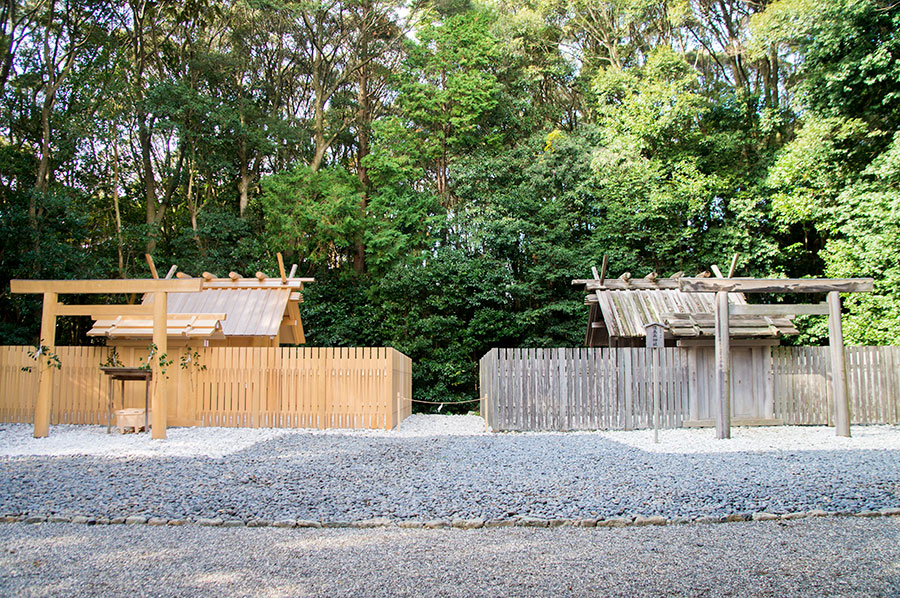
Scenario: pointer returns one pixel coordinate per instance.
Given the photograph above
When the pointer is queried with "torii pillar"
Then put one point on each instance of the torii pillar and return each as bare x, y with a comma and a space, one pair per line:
838, 366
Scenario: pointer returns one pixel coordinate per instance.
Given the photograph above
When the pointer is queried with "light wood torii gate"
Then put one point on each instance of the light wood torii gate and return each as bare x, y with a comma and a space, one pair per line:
51, 289
833, 287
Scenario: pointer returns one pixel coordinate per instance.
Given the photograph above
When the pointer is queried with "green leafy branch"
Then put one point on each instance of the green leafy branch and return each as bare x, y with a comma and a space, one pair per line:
42, 351
162, 359
192, 358
112, 360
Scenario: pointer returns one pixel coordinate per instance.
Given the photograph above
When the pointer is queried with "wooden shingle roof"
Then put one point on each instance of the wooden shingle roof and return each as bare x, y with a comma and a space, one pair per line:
626, 313
189, 326
249, 311
622, 308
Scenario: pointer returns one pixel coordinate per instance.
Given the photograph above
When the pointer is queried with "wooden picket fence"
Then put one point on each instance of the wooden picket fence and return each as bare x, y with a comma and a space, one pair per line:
224, 386
803, 391
614, 388
580, 389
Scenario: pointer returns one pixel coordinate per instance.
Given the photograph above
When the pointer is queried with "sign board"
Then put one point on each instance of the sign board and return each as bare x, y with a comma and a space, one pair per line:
656, 334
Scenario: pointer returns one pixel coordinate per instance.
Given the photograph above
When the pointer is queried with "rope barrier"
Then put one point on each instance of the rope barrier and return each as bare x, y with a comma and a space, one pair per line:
445, 402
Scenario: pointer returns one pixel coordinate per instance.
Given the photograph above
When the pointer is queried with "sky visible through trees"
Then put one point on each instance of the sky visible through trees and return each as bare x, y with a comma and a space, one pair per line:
445, 169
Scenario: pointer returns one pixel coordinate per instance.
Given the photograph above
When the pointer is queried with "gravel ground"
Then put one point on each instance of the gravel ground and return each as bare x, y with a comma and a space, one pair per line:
445, 468
810, 557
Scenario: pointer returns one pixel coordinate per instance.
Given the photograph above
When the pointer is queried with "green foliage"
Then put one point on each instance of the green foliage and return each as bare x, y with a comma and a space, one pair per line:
190, 360
50, 246
161, 359
45, 356
850, 51
223, 242
477, 157
112, 359
316, 213
445, 313
867, 243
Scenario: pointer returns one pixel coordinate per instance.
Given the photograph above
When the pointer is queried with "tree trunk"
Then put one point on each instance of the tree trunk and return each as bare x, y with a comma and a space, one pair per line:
115, 194
193, 205
149, 178
318, 114
442, 189
8, 36
244, 182
144, 135
43, 174
364, 119
318, 136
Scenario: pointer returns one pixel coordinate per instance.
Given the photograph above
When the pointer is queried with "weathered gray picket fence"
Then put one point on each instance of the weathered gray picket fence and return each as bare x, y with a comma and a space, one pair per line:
615, 388
803, 391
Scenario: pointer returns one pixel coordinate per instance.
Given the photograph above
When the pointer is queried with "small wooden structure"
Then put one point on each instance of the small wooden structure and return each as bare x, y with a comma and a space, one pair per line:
52, 308
124, 375
653, 311
833, 288
131, 420
275, 306
233, 311
712, 313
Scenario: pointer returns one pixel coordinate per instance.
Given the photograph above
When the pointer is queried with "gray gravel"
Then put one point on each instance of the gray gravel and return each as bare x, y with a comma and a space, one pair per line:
808, 557
333, 478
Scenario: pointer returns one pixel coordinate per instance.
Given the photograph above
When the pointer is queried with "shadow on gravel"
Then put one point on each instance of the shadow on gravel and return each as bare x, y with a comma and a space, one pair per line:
345, 478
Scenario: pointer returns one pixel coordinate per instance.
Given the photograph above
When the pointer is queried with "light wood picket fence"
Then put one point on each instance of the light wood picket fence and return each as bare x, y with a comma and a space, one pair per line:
613, 388
225, 386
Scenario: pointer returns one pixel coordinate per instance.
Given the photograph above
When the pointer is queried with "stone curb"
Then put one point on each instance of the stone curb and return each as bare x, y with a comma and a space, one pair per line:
461, 524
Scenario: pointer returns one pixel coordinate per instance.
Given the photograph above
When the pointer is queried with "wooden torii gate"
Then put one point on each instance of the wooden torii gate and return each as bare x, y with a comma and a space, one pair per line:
832, 307
51, 289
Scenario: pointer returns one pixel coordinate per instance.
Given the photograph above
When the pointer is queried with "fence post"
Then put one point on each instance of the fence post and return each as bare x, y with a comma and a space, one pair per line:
723, 367
654, 364
561, 360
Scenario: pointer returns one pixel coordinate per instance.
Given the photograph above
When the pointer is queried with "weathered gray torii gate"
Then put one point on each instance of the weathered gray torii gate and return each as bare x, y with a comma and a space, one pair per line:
832, 286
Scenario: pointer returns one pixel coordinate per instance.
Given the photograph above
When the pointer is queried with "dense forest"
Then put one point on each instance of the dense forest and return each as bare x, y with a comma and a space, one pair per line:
445, 170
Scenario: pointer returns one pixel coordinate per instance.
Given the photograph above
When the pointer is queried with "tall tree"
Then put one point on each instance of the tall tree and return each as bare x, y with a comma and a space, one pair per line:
448, 87
338, 50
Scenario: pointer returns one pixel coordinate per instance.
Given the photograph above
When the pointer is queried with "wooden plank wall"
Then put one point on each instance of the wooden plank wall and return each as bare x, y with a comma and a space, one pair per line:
751, 372
612, 388
803, 392
227, 386
18, 389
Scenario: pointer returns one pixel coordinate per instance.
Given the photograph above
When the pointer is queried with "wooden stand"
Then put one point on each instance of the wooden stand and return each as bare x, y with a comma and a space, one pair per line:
131, 420
124, 375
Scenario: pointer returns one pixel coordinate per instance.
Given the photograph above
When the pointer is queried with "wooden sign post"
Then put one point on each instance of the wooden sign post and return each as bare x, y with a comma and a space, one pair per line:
656, 340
